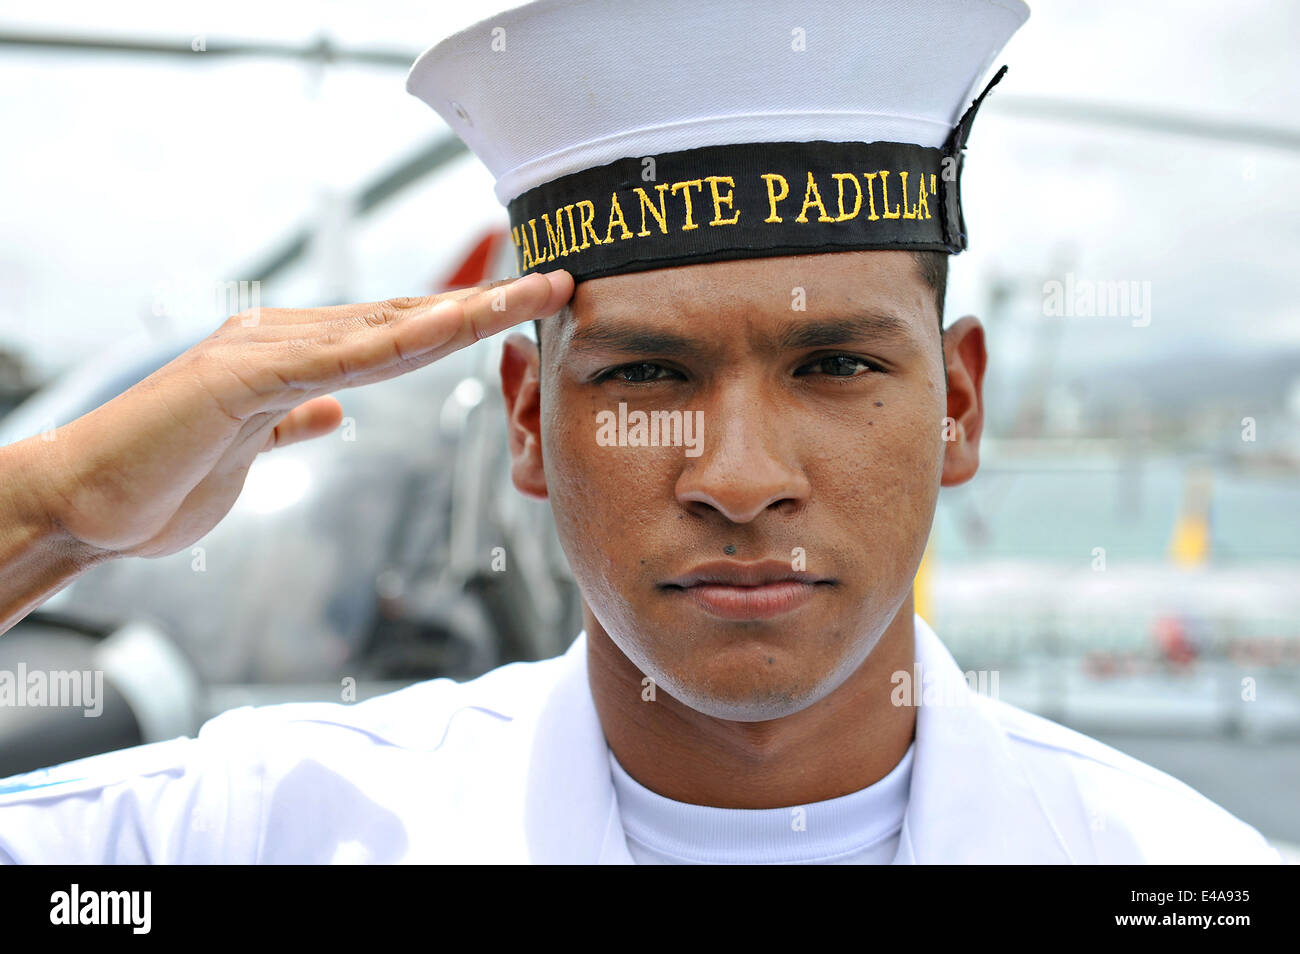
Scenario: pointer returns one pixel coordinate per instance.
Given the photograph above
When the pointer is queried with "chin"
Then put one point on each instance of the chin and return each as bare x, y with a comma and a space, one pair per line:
759, 704
741, 685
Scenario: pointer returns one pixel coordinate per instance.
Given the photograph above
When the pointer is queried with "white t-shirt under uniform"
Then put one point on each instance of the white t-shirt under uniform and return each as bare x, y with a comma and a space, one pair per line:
861, 828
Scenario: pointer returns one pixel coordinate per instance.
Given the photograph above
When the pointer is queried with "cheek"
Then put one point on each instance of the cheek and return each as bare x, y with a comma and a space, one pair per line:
879, 478
603, 498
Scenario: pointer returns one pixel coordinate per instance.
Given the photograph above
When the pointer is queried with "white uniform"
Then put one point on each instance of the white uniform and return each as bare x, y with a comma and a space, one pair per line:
513, 767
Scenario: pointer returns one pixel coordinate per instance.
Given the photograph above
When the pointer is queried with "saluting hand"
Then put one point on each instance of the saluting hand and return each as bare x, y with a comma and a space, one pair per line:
158, 466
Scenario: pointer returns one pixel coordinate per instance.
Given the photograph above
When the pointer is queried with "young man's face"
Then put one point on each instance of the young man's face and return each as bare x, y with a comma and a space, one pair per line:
820, 385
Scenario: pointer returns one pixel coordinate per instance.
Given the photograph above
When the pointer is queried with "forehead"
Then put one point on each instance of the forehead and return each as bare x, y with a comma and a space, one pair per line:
759, 281
788, 301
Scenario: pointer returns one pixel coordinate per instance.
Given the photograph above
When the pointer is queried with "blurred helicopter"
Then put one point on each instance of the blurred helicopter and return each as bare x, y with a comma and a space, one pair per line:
392, 551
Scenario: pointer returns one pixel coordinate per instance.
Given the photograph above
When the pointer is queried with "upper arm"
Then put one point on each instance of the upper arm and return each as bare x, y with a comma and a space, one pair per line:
187, 800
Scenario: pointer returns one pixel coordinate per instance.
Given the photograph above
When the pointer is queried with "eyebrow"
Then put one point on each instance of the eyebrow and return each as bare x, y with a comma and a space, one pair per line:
828, 332
634, 339
611, 335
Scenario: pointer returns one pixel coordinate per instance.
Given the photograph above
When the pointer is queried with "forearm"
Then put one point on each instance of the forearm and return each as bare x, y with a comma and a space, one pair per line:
37, 557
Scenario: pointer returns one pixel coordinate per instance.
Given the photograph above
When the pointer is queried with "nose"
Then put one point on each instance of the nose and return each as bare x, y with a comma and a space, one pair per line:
747, 462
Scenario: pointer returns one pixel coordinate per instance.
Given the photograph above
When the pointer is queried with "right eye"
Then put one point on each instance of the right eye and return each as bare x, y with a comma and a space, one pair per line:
642, 372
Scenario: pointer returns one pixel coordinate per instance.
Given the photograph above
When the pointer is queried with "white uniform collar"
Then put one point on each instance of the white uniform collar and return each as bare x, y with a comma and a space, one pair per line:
571, 816
971, 799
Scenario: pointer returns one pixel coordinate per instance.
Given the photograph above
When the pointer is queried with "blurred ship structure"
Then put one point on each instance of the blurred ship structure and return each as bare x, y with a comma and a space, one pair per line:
1128, 556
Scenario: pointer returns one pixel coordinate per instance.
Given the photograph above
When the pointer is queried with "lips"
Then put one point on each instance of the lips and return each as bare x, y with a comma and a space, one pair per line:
747, 591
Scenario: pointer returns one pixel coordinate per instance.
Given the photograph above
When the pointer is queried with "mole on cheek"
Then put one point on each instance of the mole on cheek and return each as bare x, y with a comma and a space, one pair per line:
880, 404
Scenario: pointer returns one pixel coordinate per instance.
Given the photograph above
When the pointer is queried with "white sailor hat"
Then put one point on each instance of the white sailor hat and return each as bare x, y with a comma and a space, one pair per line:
627, 136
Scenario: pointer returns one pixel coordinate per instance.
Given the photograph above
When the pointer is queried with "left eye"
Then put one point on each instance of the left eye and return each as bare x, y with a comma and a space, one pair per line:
839, 366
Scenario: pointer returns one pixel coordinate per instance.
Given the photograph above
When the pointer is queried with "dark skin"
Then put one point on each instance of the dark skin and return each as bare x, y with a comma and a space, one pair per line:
835, 446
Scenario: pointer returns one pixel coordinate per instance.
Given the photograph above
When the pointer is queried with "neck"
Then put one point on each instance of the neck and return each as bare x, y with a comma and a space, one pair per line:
850, 739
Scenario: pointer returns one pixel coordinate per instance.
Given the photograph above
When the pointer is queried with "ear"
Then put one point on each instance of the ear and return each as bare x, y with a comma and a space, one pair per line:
521, 385
965, 359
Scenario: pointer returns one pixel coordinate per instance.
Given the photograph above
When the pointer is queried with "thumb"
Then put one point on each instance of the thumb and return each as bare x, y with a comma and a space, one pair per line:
314, 418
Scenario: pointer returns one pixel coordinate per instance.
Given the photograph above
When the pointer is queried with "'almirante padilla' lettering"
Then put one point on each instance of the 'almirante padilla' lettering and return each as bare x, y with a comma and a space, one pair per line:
737, 201
658, 209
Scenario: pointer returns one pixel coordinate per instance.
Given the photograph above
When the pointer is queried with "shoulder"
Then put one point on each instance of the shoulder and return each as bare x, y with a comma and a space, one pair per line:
1122, 809
96, 772
211, 798
419, 716
158, 802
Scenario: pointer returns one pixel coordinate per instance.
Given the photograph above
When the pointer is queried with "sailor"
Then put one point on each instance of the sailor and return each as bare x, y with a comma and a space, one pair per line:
755, 201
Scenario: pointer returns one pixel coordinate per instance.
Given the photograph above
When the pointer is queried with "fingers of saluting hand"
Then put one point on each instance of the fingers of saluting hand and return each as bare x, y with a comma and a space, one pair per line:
456, 321
407, 333
293, 355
